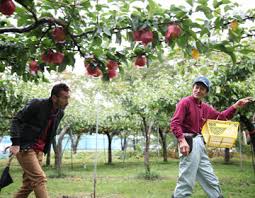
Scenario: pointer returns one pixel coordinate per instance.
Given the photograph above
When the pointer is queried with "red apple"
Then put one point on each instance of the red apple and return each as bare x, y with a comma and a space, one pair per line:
111, 64
173, 31
97, 73
58, 34
33, 66
136, 35
7, 7
52, 57
145, 36
47, 56
57, 58
112, 73
93, 71
140, 61
44, 57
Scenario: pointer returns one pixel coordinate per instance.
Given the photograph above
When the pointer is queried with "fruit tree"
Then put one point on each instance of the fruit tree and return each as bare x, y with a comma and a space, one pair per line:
46, 35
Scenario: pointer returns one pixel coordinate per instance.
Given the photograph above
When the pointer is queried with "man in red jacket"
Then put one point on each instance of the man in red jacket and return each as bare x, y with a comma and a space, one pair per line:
190, 115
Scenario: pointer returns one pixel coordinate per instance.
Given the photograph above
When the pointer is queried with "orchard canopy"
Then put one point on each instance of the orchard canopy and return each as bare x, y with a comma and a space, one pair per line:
36, 36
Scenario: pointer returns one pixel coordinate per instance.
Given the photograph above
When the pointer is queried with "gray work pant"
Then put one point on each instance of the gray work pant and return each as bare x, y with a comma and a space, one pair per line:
196, 166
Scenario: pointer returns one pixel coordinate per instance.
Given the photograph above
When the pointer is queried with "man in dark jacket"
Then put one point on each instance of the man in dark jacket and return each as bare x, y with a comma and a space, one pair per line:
32, 131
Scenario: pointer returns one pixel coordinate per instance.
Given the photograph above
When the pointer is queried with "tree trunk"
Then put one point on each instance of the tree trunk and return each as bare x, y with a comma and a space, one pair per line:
134, 143
54, 146
48, 157
75, 139
123, 143
162, 134
123, 140
109, 148
226, 155
147, 132
59, 152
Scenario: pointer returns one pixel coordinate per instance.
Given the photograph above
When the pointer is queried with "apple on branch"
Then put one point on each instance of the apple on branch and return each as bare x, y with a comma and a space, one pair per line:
111, 64
47, 56
58, 34
113, 73
57, 58
141, 61
33, 67
7, 7
144, 35
52, 57
93, 71
173, 32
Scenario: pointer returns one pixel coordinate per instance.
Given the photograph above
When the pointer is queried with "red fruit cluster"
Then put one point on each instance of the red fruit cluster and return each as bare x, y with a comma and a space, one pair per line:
145, 36
52, 57
33, 67
141, 61
7, 7
112, 68
58, 34
92, 70
173, 31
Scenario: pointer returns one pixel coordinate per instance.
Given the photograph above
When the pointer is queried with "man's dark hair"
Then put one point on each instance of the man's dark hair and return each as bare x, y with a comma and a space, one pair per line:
58, 88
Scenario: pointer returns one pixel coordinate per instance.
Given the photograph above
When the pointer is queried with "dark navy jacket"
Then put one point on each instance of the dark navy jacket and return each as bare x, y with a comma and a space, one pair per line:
31, 121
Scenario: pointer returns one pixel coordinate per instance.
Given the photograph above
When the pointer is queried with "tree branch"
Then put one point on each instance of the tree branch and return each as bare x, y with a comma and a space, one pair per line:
40, 22
29, 10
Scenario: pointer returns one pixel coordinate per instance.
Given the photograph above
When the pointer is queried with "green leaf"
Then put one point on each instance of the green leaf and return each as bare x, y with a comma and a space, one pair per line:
247, 51
217, 23
61, 68
235, 36
206, 10
2, 67
69, 59
226, 1
85, 4
107, 31
178, 11
217, 3
227, 8
226, 50
190, 2
154, 8
203, 2
182, 41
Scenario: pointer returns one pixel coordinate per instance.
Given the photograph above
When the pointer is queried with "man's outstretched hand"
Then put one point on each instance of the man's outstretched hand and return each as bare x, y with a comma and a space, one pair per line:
242, 102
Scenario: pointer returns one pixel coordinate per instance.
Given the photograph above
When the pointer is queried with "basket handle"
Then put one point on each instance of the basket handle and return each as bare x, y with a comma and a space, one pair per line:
218, 117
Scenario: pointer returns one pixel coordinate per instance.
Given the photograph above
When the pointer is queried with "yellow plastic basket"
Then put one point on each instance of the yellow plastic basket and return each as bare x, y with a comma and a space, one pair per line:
220, 134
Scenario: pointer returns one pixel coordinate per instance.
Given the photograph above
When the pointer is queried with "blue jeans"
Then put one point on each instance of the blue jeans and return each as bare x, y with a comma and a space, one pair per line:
196, 166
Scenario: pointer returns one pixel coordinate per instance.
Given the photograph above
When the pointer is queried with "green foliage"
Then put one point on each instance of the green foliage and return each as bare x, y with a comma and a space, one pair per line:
234, 78
91, 27
11, 102
148, 176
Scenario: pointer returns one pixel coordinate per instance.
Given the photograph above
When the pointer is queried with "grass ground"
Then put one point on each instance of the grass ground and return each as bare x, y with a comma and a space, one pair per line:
121, 179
